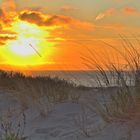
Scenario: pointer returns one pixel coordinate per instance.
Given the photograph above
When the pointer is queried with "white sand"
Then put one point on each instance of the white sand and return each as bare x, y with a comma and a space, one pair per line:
65, 120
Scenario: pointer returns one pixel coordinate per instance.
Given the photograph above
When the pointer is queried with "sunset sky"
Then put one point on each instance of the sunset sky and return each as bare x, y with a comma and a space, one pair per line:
55, 34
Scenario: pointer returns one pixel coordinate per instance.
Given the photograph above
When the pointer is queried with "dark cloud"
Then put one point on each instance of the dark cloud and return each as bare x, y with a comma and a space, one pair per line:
32, 17
56, 20
5, 37
2, 43
37, 18
1, 12
61, 21
0, 27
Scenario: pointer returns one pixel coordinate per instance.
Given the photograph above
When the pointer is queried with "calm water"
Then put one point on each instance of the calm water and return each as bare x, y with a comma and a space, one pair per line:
86, 78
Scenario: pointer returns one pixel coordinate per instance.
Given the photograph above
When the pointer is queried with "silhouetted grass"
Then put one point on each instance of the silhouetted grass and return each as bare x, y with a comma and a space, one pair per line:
127, 79
42, 92
11, 130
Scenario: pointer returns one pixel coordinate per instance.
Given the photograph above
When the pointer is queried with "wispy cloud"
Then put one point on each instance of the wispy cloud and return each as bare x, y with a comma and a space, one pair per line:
112, 11
106, 13
130, 11
67, 8
8, 5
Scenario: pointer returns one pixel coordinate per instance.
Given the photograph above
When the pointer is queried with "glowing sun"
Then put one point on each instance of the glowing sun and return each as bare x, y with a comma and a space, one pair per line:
27, 35
30, 43
22, 46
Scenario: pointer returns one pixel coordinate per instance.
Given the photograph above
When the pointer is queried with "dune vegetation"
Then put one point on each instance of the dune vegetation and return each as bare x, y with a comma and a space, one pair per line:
124, 104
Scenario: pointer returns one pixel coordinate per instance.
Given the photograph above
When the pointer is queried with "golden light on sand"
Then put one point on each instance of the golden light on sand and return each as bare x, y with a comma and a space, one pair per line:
30, 46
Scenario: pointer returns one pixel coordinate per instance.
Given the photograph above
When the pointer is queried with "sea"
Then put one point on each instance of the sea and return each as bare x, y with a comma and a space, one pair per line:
86, 78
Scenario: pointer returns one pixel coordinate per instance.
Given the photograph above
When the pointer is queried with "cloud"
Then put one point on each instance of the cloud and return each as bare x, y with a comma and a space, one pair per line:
40, 19
6, 19
32, 17
110, 12
58, 20
1, 13
6, 35
100, 16
52, 24
8, 15
67, 8
2, 44
44, 20
7, 12
107, 13
130, 11
5, 38
8, 5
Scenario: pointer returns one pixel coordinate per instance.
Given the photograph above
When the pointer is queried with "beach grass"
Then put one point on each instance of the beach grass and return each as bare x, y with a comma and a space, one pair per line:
117, 106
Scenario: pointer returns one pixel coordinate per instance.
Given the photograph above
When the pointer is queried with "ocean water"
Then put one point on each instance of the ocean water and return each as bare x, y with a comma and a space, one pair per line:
85, 78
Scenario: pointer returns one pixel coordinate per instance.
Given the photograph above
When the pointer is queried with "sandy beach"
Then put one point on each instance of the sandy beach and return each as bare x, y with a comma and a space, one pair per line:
67, 120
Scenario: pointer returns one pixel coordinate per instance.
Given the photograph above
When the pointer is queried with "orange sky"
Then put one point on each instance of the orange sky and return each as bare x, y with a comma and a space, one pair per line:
56, 35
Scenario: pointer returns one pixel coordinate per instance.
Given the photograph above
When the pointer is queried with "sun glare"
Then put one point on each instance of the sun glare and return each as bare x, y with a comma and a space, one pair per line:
22, 46
30, 43
27, 34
